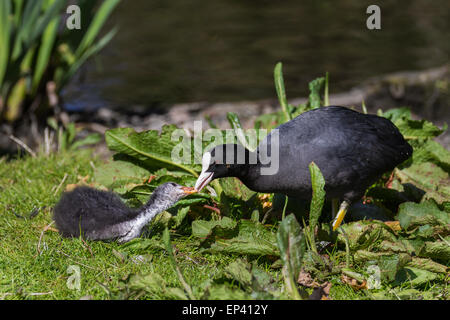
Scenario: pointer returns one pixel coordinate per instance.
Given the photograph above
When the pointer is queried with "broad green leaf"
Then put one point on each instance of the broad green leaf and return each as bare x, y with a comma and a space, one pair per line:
427, 150
203, 229
437, 250
429, 177
225, 292
364, 255
412, 214
151, 147
363, 234
233, 187
269, 121
180, 216
121, 175
245, 237
390, 264
88, 140
414, 276
152, 282
239, 270
397, 114
314, 96
415, 129
428, 264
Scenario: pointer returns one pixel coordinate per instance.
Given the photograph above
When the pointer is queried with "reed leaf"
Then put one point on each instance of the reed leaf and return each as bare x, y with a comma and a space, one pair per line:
45, 49
5, 10
94, 28
66, 76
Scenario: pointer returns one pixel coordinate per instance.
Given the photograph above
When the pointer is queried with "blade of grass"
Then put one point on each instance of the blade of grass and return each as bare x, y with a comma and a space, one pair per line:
168, 245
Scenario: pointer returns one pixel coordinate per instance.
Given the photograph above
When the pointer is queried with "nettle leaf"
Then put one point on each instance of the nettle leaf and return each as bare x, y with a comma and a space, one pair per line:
314, 96
245, 237
180, 216
390, 264
397, 114
430, 151
414, 276
239, 270
225, 292
207, 229
269, 121
233, 187
412, 214
363, 234
436, 250
121, 175
428, 264
154, 148
430, 178
415, 129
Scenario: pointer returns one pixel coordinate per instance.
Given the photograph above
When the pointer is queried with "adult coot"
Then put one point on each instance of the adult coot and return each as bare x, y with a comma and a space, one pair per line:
351, 149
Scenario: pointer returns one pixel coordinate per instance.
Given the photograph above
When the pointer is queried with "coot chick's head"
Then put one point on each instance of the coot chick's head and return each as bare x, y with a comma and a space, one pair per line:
170, 192
226, 160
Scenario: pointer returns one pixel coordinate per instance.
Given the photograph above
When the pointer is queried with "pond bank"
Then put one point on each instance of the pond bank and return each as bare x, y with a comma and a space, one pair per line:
425, 92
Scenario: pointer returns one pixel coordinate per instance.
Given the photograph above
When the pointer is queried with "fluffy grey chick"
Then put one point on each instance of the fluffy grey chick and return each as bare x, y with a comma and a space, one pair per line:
101, 215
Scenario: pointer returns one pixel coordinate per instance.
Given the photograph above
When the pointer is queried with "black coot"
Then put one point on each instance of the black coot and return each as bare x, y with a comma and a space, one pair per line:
351, 149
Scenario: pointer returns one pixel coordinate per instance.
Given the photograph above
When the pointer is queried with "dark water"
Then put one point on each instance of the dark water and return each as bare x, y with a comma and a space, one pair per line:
196, 50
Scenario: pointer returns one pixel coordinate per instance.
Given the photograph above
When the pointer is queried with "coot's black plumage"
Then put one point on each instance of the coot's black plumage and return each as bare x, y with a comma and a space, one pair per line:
351, 149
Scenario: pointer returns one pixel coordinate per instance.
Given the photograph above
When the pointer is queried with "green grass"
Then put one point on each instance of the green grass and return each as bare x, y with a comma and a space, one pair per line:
30, 183
34, 263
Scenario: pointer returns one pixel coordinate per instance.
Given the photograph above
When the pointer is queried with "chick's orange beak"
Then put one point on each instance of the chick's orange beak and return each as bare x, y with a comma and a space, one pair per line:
188, 190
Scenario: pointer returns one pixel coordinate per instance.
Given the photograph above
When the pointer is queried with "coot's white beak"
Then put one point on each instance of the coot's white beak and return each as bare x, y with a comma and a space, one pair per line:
204, 177
203, 180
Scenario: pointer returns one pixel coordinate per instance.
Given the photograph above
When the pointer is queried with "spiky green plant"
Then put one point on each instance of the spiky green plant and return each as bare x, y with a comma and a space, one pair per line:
37, 50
